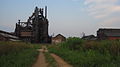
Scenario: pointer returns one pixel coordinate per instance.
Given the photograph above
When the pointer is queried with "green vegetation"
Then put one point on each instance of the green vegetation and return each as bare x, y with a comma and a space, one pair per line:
81, 53
50, 60
17, 54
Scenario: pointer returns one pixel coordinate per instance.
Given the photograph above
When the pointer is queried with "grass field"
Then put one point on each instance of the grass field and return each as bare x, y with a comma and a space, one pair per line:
82, 53
17, 54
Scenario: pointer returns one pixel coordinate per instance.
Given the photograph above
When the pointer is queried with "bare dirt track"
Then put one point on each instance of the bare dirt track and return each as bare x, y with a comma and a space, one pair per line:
41, 61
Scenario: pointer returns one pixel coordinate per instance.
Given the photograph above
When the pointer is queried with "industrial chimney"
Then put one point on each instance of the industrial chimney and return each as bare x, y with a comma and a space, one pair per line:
45, 11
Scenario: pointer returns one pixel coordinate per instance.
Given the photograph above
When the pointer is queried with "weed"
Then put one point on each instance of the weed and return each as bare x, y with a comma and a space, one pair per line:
17, 54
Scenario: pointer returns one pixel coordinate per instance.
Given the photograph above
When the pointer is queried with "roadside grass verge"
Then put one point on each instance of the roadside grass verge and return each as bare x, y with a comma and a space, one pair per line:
17, 54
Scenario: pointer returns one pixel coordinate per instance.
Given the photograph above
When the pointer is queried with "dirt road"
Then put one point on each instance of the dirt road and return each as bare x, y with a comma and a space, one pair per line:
41, 61
60, 61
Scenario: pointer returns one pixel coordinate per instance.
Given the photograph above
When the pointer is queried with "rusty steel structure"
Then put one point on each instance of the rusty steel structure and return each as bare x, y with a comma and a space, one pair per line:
35, 30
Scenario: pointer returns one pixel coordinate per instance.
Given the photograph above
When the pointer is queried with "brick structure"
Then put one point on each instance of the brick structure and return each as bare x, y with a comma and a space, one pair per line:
58, 39
35, 30
110, 34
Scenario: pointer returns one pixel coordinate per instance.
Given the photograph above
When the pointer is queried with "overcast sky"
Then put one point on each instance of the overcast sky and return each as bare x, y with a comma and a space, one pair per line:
67, 17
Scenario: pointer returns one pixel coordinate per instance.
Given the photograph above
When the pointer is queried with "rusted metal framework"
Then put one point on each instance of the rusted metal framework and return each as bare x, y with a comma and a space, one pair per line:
35, 29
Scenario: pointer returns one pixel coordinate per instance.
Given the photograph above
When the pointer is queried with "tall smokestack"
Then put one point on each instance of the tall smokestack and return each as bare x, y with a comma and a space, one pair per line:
45, 11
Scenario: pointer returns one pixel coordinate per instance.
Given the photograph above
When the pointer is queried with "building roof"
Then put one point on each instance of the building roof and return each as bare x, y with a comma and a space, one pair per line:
109, 29
59, 35
89, 37
6, 34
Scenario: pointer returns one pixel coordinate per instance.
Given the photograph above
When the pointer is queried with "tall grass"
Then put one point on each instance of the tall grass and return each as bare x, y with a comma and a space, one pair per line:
17, 54
81, 53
